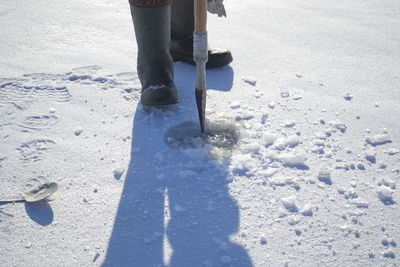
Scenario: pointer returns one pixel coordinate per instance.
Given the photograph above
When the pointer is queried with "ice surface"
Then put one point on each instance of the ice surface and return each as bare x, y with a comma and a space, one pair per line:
269, 139
225, 260
281, 181
178, 208
267, 173
197, 153
290, 141
271, 183
293, 159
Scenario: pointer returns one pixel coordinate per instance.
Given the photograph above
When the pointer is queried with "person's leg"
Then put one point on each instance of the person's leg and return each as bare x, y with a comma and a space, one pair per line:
182, 18
151, 20
182, 27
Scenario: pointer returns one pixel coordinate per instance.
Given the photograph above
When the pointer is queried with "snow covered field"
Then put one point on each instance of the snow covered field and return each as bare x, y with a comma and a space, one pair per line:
308, 175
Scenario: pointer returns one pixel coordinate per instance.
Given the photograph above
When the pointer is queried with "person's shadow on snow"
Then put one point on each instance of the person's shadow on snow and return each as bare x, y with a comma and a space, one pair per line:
220, 79
175, 210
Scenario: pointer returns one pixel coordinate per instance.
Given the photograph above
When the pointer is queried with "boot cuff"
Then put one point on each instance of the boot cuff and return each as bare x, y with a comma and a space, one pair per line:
149, 3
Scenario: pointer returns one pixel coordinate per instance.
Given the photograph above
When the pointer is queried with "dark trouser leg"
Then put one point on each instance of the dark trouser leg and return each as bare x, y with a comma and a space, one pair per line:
182, 18
182, 26
155, 66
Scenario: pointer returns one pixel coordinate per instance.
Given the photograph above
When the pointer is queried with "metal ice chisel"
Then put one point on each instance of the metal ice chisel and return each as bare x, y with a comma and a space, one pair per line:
200, 55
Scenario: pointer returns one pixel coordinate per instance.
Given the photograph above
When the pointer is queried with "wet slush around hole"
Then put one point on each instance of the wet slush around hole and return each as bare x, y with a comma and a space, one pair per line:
219, 138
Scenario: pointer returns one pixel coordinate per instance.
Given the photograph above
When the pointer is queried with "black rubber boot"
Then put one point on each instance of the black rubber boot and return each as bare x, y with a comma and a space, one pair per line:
154, 63
182, 26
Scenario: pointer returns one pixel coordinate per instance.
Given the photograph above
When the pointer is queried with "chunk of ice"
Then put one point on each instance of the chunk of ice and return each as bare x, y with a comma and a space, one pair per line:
385, 194
379, 139
290, 203
250, 80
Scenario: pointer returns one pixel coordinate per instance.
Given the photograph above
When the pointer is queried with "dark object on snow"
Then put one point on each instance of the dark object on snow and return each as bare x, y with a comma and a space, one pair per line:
42, 192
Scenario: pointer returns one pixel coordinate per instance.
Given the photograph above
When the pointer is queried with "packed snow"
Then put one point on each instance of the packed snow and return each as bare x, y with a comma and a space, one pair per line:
298, 166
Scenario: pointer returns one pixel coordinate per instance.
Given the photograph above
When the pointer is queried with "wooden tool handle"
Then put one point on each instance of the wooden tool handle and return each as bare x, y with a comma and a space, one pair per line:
12, 200
200, 15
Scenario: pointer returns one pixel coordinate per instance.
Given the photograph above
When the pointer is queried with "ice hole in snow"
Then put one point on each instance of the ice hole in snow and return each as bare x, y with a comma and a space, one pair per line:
218, 140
